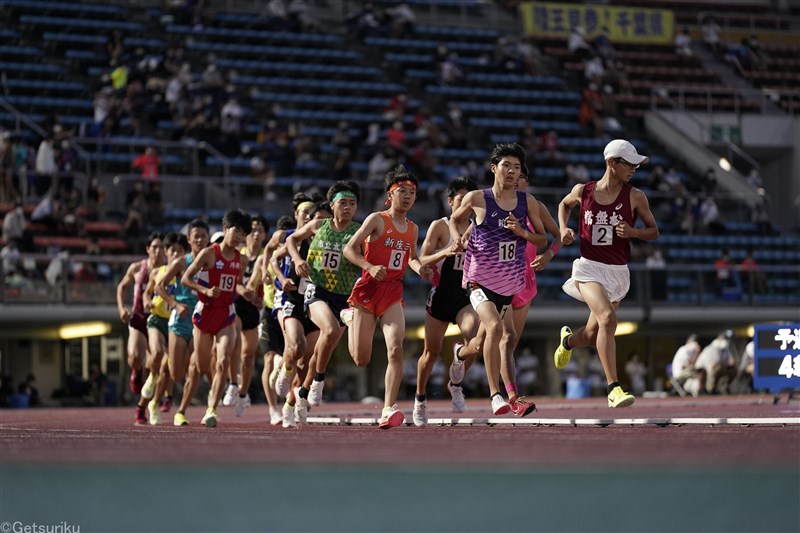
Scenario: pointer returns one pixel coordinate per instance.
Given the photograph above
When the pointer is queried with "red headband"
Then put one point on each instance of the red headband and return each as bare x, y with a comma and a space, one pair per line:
397, 185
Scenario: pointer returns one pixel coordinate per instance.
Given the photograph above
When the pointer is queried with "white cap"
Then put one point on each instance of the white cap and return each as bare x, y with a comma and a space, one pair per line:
625, 150
217, 237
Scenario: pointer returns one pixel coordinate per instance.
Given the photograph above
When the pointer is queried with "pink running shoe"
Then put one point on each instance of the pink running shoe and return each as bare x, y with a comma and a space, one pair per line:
166, 405
141, 418
521, 407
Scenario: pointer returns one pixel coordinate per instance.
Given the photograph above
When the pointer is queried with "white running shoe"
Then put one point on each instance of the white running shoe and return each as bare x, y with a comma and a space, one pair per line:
315, 392
210, 418
391, 417
457, 393
457, 366
275, 416
277, 364
420, 414
499, 405
301, 411
149, 387
346, 315
283, 383
241, 404
231, 393
288, 416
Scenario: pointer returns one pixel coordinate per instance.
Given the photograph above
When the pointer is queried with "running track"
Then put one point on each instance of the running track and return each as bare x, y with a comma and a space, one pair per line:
579, 467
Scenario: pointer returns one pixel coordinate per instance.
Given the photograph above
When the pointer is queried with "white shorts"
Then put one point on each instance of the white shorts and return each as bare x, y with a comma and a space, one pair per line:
615, 279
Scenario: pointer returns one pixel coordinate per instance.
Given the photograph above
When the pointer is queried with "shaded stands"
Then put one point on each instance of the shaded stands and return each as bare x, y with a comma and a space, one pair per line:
780, 77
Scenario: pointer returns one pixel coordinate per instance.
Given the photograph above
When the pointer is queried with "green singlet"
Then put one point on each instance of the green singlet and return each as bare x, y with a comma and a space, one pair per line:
329, 269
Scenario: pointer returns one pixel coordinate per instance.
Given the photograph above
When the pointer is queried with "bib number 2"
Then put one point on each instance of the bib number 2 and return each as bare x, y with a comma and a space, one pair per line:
602, 235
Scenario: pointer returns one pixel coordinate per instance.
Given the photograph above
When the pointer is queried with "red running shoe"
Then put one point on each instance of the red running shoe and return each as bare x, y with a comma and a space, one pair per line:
136, 380
166, 405
141, 419
522, 407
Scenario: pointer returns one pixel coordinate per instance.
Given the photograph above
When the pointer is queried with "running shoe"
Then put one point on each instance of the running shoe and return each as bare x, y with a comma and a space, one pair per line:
275, 416
149, 387
499, 405
457, 366
152, 408
562, 355
391, 417
277, 364
284, 381
301, 411
521, 407
141, 419
619, 398
231, 393
420, 415
288, 416
241, 404
210, 418
346, 315
315, 392
136, 380
166, 405
179, 420
457, 393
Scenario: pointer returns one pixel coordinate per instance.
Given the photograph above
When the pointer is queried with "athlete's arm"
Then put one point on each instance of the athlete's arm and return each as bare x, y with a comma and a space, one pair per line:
372, 226
536, 237
472, 200
293, 246
434, 247
641, 207
122, 287
424, 271
282, 251
204, 260
542, 260
564, 209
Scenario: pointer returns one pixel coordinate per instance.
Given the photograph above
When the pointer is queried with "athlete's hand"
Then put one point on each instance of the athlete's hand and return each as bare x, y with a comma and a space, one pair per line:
567, 236
182, 310
289, 286
542, 260
124, 315
302, 269
511, 223
378, 272
249, 295
624, 230
426, 272
213, 292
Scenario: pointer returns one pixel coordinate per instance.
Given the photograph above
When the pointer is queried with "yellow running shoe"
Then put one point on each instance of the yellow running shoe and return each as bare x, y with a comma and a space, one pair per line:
562, 355
152, 408
180, 420
619, 398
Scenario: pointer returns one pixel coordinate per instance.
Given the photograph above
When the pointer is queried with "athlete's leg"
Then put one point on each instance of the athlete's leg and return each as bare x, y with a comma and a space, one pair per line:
393, 325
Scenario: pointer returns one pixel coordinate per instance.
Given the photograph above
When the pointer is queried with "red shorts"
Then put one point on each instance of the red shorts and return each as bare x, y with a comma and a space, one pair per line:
376, 296
211, 319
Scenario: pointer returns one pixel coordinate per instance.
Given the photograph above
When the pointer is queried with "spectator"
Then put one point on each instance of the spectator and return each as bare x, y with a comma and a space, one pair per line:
576, 174
46, 168
758, 59
8, 190
576, 43
683, 370
753, 279
14, 222
148, 164
753, 179
602, 45
230, 125
637, 374
711, 31
709, 217
10, 258
396, 137
719, 363
450, 72
594, 70
49, 211
396, 108
20, 399
548, 147
683, 43
727, 279
401, 19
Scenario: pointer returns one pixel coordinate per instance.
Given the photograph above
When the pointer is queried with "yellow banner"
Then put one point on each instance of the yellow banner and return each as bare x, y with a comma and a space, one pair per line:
625, 24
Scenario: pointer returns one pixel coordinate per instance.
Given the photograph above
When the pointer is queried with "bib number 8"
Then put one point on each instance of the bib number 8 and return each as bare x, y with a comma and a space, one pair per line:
396, 260
602, 235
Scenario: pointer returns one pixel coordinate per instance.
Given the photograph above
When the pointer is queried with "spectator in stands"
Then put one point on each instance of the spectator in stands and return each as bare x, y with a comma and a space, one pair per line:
737, 56
727, 278
758, 59
11, 258
683, 370
46, 168
95, 200
683, 43
396, 137
754, 180
709, 217
760, 216
673, 182
637, 373
114, 46
602, 45
576, 43
594, 70
711, 31
753, 278
719, 363
396, 108
231, 125
365, 22
14, 222
148, 164
530, 55
656, 266
450, 72
576, 174
119, 77
49, 211
8, 190
548, 147
590, 111
401, 19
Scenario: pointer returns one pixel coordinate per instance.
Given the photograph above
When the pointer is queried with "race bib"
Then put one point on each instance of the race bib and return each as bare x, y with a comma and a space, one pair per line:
331, 260
396, 260
508, 250
602, 235
458, 261
227, 282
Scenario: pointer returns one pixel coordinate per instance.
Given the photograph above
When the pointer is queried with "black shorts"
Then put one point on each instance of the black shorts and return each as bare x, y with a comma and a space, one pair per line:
444, 304
271, 337
293, 308
247, 313
336, 302
478, 295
